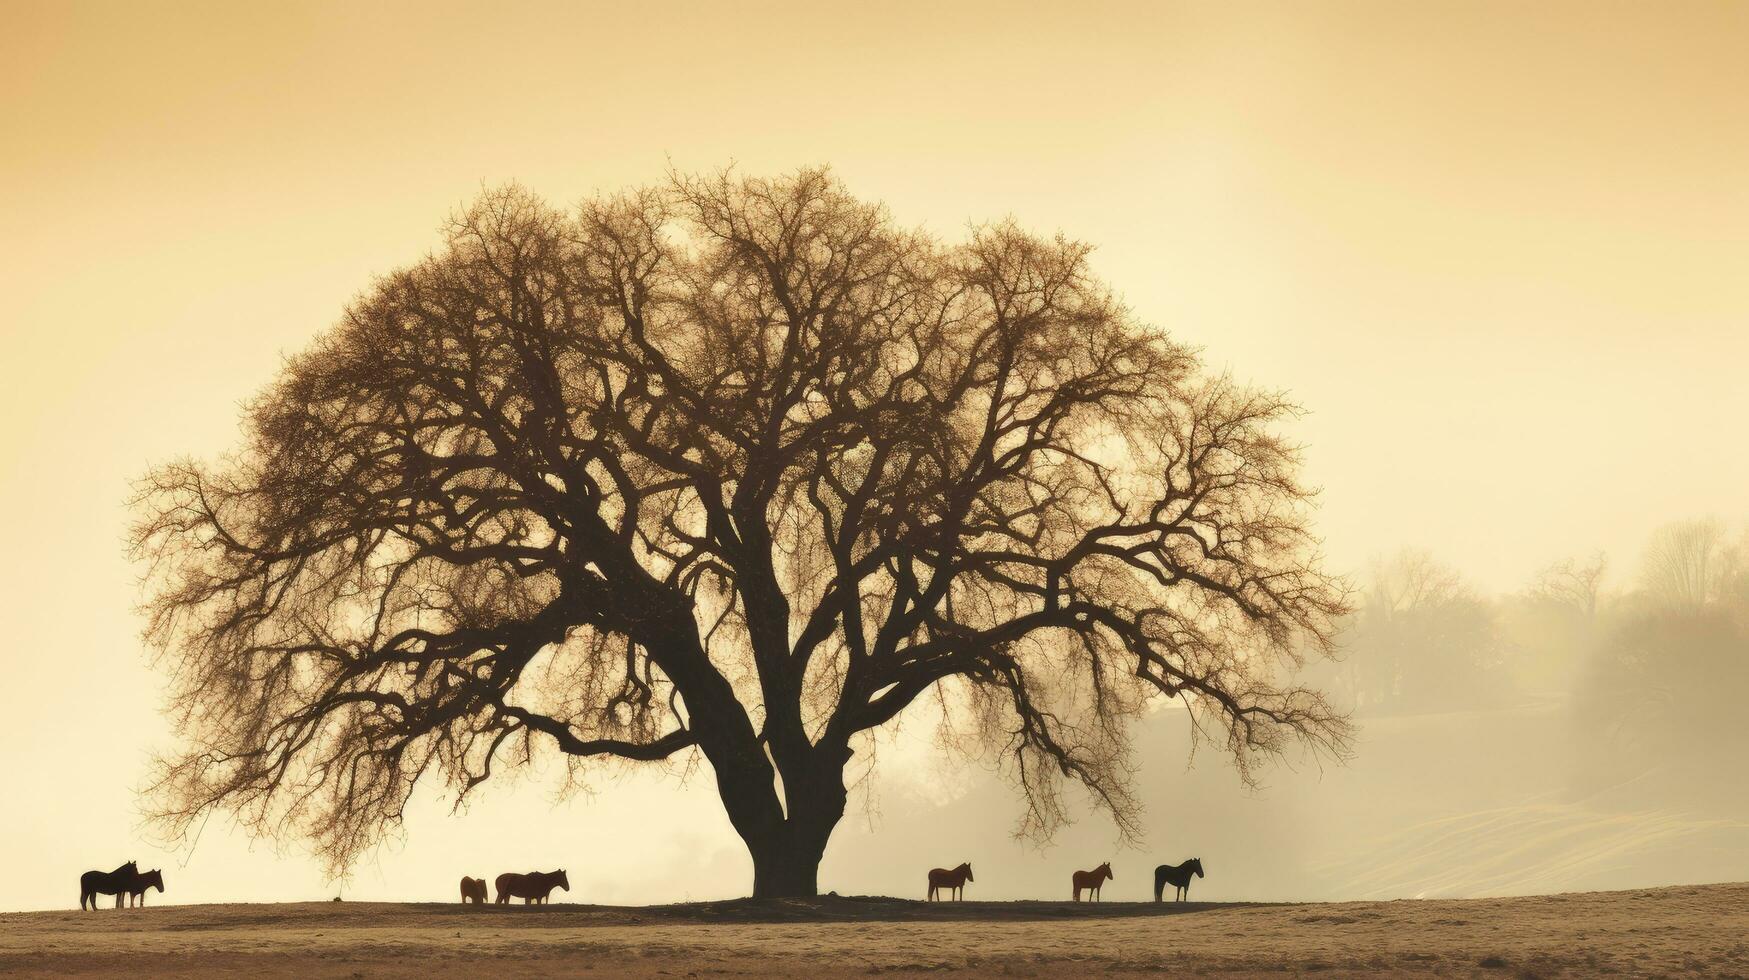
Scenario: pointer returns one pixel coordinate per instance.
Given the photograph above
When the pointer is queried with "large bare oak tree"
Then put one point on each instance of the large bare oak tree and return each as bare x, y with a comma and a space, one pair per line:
733, 468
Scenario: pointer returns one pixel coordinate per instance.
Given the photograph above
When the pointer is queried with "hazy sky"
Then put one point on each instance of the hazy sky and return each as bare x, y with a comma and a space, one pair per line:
1499, 250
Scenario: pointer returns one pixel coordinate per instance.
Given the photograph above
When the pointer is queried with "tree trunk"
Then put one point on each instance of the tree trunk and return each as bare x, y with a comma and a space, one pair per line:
786, 872
786, 855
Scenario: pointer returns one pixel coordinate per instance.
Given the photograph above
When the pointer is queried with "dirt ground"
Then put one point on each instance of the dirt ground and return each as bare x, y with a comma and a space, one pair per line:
1683, 931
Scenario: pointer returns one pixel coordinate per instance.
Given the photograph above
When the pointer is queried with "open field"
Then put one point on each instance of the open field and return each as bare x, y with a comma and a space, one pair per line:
1698, 930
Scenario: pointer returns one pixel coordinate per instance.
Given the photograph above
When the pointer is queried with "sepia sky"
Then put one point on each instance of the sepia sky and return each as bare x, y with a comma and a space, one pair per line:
1500, 251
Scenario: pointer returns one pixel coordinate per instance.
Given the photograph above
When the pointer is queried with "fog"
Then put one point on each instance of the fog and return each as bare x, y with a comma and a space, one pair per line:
1496, 253
1583, 732
1580, 733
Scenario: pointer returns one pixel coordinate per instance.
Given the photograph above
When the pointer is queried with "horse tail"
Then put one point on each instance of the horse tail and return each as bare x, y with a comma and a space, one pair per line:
1159, 884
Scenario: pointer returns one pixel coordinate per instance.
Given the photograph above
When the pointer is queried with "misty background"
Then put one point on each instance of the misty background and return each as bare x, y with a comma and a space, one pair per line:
1496, 251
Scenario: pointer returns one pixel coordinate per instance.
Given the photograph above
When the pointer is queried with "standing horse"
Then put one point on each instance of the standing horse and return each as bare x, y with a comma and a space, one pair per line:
1179, 876
1091, 880
954, 881
536, 886
473, 889
108, 882
137, 887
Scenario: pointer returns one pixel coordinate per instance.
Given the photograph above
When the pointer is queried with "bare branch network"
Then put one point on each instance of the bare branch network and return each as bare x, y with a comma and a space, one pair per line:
735, 467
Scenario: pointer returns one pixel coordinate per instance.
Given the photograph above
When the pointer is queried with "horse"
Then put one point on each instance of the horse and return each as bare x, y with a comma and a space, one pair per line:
108, 882
536, 886
954, 881
137, 889
473, 888
1091, 880
1179, 875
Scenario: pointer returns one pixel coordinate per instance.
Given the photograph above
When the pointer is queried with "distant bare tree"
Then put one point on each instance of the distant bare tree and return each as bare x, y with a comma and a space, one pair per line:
1571, 584
1423, 640
1412, 579
730, 467
1682, 560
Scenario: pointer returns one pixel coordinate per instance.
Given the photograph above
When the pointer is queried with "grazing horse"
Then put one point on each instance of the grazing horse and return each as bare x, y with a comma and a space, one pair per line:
533, 887
1179, 876
1091, 880
137, 888
475, 889
954, 881
114, 883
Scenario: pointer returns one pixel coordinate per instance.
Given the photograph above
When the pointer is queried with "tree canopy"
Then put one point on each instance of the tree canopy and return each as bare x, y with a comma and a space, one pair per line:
735, 467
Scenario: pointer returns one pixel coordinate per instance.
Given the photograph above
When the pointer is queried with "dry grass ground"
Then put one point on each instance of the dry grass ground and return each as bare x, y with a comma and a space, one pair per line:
1684, 931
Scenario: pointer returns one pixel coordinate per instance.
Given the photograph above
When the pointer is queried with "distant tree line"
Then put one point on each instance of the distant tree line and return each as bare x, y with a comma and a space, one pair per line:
1651, 664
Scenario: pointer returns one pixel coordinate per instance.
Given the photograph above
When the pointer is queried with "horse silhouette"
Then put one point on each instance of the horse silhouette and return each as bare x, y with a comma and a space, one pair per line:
115, 883
137, 888
475, 889
953, 880
536, 886
1091, 880
1179, 875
